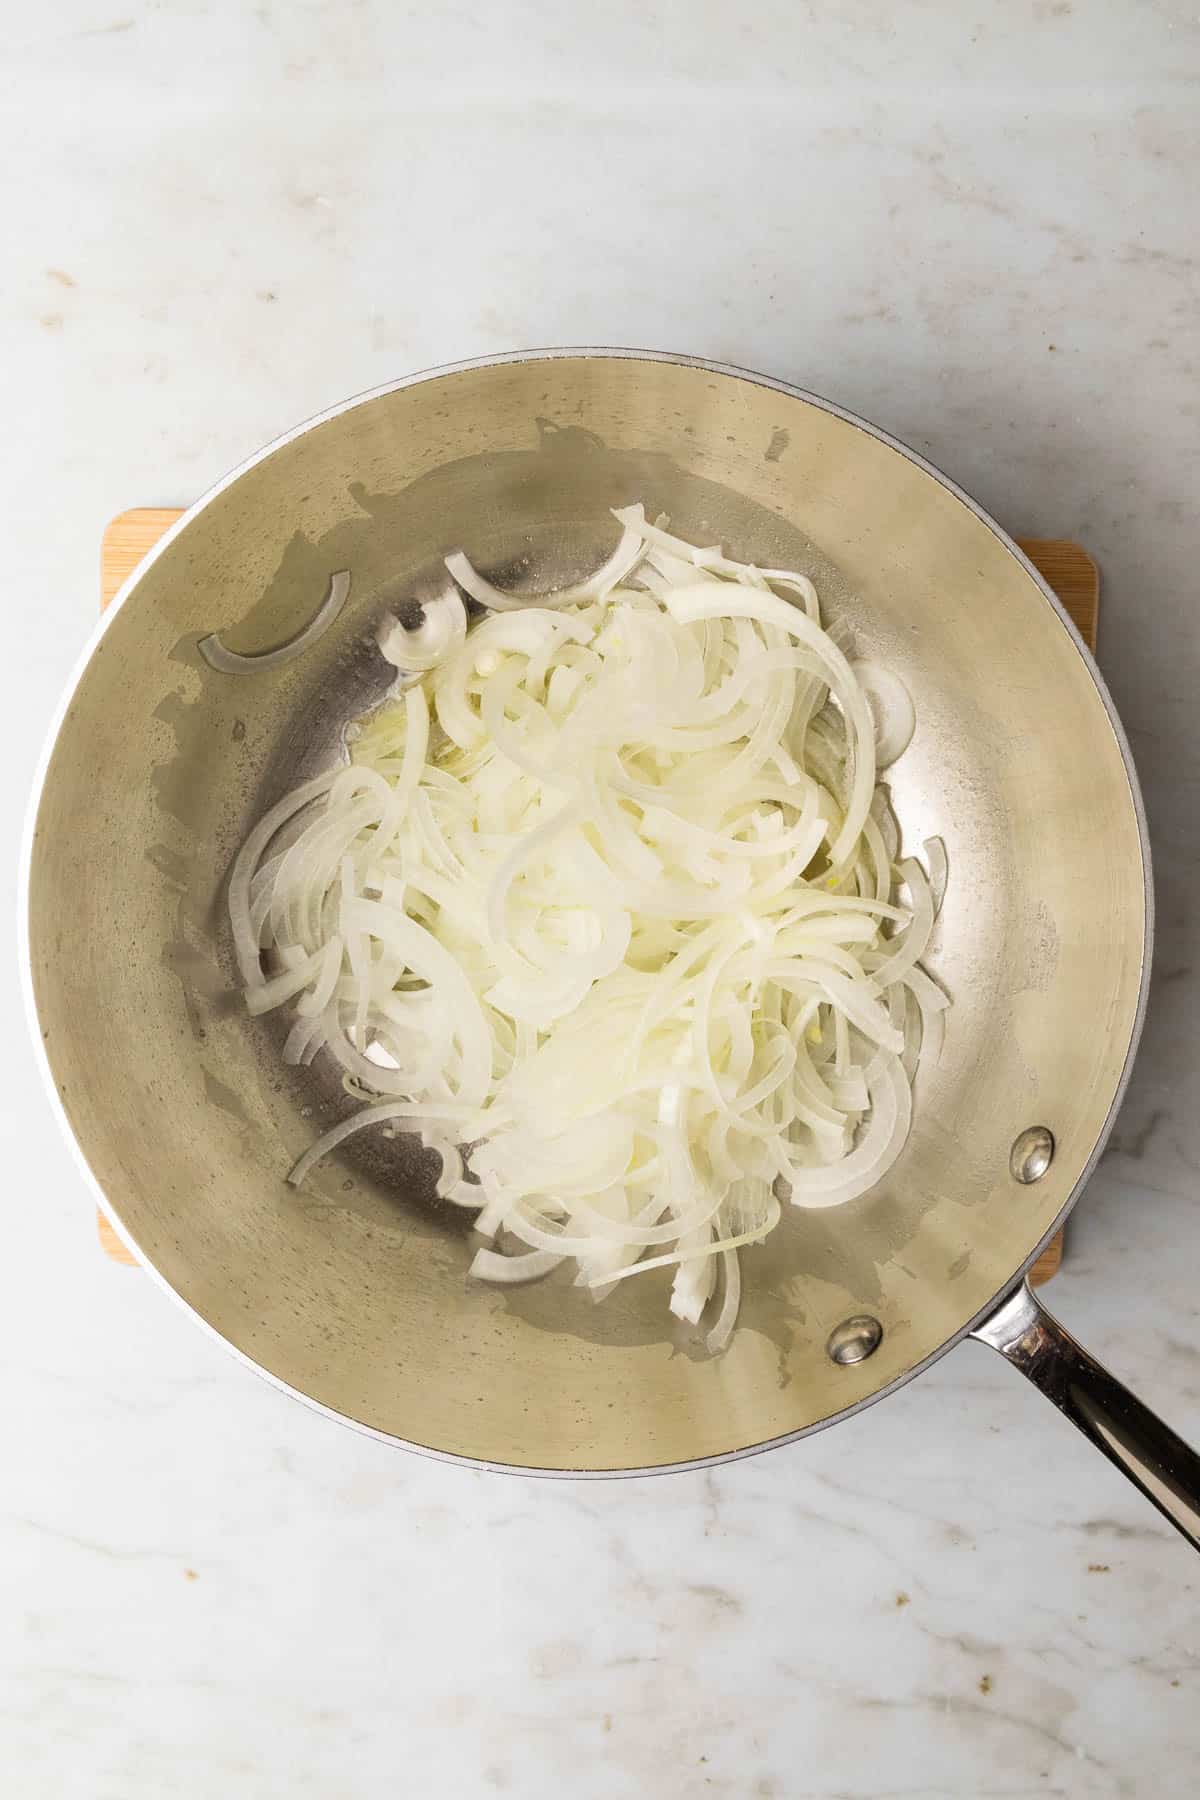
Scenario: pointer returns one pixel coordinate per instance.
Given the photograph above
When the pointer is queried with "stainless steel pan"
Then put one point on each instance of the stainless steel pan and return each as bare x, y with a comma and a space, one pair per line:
353, 1294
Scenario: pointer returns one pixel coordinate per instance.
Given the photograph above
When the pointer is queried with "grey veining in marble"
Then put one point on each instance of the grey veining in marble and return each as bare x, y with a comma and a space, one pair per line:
977, 225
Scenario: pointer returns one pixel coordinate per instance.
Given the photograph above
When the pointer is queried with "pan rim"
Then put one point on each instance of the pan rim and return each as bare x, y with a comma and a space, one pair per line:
379, 392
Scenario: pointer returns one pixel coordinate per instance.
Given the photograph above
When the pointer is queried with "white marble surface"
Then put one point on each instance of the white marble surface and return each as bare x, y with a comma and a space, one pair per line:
977, 224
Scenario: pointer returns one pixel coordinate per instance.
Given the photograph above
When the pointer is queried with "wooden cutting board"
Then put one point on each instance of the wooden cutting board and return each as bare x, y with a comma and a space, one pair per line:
1069, 570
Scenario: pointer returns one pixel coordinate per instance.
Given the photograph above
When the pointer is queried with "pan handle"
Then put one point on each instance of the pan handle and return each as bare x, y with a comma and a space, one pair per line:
1143, 1448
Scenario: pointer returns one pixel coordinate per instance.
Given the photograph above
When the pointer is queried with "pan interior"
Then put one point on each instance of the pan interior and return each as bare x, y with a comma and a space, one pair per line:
353, 1292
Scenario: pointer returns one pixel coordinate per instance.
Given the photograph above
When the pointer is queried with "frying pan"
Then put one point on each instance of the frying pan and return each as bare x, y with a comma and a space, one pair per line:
353, 1293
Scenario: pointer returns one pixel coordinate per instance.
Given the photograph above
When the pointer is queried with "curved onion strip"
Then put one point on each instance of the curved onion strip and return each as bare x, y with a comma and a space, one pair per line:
465, 1118
452, 1173
890, 1117
246, 940
932, 1005
442, 629
490, 1265
800, 585
754, 1235
927, 991
329, 968
722, 1331
608, 576
939, 870
691, 604
426, 957
692, 1287
916, 937
303, 1040
627, 1232
235, 662
633, 518
891, 706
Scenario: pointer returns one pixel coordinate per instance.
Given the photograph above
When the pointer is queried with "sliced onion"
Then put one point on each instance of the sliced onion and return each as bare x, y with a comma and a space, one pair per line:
754, 1235
265, 996
859, 1171
892, 708
442, 629
915, 938
939, 871
491, 1265
450, 1180
598, 907
245, 939
465, 1118
234, 662
692, 604
304, 1040
722, 1330
633, 518
595, 587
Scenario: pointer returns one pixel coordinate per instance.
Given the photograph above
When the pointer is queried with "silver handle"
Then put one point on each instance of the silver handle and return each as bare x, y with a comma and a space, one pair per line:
1165, 1468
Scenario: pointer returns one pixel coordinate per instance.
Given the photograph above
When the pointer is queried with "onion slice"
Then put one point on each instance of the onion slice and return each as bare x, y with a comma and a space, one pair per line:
490, 1265
891, 706
234, 662
442, 629
608, 576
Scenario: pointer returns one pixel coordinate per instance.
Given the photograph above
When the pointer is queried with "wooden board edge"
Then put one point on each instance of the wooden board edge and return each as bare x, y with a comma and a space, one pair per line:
1075, 578
112, 1245
126, 540
1049, 1262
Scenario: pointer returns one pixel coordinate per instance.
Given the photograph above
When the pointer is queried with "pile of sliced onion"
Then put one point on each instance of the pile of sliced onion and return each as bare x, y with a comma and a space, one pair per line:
604, 907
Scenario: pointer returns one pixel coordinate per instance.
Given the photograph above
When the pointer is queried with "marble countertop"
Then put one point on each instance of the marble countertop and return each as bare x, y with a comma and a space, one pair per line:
975, 224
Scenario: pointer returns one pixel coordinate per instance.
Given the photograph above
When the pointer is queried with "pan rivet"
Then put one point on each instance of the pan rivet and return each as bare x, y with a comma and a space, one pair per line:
854, 1339
1031, 1154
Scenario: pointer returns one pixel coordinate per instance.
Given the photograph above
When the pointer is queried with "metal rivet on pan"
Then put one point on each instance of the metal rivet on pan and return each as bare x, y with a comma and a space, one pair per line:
1031, 1154
854, 1339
